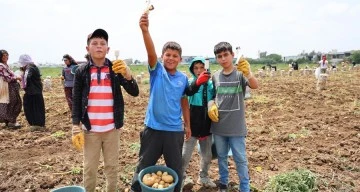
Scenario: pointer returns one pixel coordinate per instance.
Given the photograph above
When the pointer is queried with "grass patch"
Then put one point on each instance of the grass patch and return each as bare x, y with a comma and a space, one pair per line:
135, 147
301, 180
260, 99
58, 134
76, 171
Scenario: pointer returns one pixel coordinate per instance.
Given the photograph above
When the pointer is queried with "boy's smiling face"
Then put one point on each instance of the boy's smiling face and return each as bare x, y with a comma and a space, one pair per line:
97, 48
225, 59
171, 59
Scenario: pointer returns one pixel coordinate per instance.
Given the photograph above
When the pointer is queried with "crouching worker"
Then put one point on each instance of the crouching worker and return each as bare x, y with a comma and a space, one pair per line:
99, 105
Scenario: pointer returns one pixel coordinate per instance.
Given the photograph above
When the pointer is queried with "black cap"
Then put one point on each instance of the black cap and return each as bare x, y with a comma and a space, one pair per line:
101, 33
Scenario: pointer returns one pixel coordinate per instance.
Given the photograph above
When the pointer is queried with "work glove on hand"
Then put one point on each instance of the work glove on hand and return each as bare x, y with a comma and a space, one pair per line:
203, 78
213, 111
77, 137
244, 66
120, 67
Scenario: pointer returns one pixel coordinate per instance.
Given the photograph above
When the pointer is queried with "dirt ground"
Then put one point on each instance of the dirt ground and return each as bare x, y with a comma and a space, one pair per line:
291, 125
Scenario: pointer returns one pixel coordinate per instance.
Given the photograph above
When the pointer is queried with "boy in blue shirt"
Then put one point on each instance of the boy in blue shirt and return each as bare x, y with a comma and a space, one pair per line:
227, 111
164, 131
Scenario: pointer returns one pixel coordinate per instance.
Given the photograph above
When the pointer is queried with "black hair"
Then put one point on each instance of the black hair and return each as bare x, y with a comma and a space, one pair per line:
87, 57
193, 63
72, 60
172, 45
223, 46
2, 53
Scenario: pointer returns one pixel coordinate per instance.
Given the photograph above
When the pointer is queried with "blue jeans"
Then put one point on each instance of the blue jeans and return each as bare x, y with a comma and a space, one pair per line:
238, 147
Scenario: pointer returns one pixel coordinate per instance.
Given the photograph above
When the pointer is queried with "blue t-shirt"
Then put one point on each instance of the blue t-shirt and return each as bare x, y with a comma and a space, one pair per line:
164, 108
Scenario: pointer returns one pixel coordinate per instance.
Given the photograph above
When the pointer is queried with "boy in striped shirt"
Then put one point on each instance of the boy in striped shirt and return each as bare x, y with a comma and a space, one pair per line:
99, 105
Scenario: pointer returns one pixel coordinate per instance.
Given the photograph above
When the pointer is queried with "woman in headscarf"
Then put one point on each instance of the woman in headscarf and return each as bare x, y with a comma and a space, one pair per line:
34, 106
10, 100
68, 77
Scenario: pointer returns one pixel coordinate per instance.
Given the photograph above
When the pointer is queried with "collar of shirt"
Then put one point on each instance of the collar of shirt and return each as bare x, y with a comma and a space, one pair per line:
105, 64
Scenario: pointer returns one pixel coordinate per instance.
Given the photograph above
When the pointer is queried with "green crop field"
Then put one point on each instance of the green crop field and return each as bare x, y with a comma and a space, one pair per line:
137, 69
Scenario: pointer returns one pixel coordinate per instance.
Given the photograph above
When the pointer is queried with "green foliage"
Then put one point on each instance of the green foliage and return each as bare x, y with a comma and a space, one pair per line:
292, 136
76, 171
135, 147
275, 57
58, 134
256, 64
302, 60
355, 56
50, 71
294, 181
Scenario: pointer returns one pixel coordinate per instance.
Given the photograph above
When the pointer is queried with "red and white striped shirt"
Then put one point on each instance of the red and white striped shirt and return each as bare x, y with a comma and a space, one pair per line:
101, 101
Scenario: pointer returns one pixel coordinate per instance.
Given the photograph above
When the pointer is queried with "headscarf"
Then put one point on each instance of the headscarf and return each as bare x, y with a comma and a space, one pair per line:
24, 60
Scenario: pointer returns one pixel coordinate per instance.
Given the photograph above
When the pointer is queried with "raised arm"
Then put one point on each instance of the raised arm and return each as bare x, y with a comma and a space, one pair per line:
149, 45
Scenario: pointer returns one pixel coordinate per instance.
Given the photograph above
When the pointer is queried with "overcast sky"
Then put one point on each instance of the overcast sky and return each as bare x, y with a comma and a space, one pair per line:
48, 29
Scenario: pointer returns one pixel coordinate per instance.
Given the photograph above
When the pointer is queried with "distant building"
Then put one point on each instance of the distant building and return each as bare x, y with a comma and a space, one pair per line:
188, 59
337, 57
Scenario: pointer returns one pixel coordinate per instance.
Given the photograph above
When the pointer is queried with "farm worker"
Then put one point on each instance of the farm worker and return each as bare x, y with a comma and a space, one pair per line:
164, 130
227, 112
323, 64
200, 91
68, 78
34, 105
10, 100
98, 104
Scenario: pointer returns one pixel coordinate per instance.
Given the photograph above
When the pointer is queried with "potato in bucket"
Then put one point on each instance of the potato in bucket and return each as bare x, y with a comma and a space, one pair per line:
158, 178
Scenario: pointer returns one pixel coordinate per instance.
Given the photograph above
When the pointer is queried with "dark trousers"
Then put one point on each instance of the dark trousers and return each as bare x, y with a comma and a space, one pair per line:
34, 109
68, 96
155, 143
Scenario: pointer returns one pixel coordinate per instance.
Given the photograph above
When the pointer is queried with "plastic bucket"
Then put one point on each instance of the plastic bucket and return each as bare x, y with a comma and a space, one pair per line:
69, 189
154, 169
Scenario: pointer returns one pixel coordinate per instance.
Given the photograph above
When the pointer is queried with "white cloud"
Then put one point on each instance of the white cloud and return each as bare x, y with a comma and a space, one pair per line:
334, 9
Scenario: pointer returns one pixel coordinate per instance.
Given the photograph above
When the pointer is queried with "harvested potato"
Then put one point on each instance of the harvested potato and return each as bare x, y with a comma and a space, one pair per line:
155, 185
158, 179
148, 180
167, 178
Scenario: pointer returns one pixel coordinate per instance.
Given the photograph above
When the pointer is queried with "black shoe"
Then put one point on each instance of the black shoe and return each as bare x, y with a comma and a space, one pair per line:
223, 188
36, 128
13, 125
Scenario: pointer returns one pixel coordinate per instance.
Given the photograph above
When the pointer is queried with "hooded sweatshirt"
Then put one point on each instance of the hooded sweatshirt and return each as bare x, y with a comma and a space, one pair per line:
198, 97
68, 76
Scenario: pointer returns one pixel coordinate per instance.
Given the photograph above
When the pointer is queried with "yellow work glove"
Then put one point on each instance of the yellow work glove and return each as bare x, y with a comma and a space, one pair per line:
244, 66
213, 111
77, 137
120, 67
